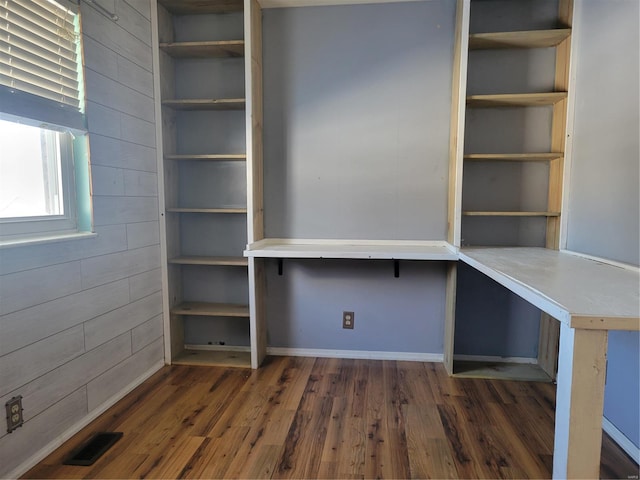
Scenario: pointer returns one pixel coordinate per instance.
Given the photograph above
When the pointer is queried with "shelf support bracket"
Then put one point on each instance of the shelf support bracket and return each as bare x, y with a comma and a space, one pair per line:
280, 266
396, 268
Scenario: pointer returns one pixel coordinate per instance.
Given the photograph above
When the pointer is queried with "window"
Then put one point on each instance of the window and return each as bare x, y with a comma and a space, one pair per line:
43, 162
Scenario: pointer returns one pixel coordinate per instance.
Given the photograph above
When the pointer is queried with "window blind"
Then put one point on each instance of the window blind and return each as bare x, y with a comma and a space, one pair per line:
39, 50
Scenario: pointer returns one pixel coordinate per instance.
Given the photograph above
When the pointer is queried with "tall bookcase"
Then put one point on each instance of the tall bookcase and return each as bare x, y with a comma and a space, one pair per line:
208, 147
508, 137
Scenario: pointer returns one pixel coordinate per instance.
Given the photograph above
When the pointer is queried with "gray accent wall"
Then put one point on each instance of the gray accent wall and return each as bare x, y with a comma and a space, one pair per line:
81, 320
604, 194
357, 107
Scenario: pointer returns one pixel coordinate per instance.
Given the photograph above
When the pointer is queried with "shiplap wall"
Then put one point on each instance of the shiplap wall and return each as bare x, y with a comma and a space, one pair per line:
82, 320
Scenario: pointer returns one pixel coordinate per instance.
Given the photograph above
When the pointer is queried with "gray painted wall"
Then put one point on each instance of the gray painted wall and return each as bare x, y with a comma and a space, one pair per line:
357, 107
81, 320
604, 209
357, 102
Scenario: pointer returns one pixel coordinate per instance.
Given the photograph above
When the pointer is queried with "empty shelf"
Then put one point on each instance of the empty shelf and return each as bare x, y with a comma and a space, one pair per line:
516, 99
219, 358
207, 210
208, 49
187, 7
215, 157
502, 371
221, 261
205, 309
523, 39
513, 157
353, 249
509, 214
206, 104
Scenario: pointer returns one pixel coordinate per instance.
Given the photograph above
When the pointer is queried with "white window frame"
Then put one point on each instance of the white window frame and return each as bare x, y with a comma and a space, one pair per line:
25, 108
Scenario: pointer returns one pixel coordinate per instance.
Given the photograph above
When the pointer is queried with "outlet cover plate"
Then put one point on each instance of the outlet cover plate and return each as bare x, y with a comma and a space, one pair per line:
14, 413
347, 320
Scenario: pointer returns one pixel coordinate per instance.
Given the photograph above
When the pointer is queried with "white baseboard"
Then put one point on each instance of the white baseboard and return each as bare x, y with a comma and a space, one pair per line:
91, 416
356, 354
495, 359
621, 439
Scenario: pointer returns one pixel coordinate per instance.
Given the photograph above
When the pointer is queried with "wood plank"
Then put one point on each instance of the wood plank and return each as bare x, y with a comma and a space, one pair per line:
355, 249
192, 7
450, 316
580, 403
223, 261
209, 309
205, 104
521, 39
515, 99
510, 214
206, 210
204, 49
512, 157
209, 157
213, 358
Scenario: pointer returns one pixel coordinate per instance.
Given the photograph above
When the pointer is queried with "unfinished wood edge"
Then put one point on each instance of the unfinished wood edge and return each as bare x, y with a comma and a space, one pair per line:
457, 122
548, 339
155, 52
599, 322
257, 314
450, 317
579, 403
48, 449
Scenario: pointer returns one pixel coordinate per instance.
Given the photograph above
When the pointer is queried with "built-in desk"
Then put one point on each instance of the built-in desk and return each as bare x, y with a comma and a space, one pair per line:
589, 298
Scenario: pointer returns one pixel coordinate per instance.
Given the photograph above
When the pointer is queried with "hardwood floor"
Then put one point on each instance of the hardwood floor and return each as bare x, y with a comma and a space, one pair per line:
327, 418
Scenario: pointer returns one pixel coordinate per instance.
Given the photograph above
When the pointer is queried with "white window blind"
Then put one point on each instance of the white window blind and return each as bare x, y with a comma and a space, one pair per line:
39, 50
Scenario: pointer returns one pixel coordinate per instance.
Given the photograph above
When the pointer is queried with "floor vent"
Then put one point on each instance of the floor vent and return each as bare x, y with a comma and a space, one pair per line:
93, 449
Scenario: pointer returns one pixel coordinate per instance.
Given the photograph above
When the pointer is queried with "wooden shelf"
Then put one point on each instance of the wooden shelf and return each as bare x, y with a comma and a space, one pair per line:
212, 157
516, 99
502, 371
206, 104
351, 249
213, 358
207, 210
204, 309
510, 214
522, 39
208, 49
580, 292
190, 7
213, 261
512, 157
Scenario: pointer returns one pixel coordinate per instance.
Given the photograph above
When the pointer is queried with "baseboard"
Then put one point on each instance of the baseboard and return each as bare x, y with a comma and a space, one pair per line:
621, 439
355, 354
495, 359
91, 416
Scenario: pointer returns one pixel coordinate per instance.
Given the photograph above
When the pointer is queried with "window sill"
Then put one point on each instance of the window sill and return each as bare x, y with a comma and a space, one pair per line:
43, 239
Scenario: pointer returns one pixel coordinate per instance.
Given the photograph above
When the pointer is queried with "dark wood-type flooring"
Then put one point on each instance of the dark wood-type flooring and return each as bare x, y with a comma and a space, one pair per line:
327, 418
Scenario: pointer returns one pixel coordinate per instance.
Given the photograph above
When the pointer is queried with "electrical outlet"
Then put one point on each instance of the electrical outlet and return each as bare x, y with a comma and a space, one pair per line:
347, 320
14, 413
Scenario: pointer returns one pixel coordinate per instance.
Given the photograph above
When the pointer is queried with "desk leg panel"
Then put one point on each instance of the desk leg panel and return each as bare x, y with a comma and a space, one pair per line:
579, 403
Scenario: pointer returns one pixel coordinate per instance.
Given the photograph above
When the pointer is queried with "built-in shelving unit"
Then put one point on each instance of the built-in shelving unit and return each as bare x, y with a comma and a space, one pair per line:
206, 324
481, 192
